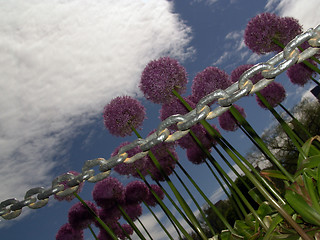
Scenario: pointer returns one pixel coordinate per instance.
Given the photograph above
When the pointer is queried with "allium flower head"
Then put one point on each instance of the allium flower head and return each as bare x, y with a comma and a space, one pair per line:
127, 228
209, 80
66, 232
109, 216
80, 217
263, 29
136, 192
196, 155
236, 73
108, 192
162, 76
300, 74
274, 94
133, 210
129, 168
151, 199
122, 114
228, 122
165, 160
64, 183
187, 141
174, 107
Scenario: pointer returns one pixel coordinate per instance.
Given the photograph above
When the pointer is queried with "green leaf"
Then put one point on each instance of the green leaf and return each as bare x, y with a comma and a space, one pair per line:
311, 188
243, 229
310, 162
264, 210
273, 173
309, 149
297, 202
256, 195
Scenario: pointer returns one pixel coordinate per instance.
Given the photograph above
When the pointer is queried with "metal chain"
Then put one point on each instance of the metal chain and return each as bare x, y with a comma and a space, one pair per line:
39, 197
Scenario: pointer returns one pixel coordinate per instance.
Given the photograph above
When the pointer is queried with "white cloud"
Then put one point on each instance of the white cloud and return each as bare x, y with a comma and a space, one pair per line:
60, 63
306, 12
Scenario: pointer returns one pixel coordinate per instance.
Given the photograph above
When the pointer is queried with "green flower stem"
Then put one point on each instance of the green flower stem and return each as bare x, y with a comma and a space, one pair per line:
214, 208
314, 80
294, 138
182, 202
105, 227
221, 173
234, 186
235, 202
308, 64
195, 202
93, 233
227, 146
125, 233
265, 193
259, 141
296, 121
163, 206
131, 223
144, 228
158, 220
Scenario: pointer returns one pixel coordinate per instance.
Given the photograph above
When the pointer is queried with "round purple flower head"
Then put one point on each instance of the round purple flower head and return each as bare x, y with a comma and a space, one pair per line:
151, 199
196, 155
209, 80
174, 107
236, 73
108, 216
274, 94
263, 29
80, 217
64, 183
165, 160
66, 232
108, 192
187, 141
129, 168
133, 210
162, 76
300, 74
228, 122
136, 192
122, 114
127, 228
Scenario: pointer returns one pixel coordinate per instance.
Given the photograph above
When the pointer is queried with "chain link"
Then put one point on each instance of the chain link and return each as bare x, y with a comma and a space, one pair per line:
39, 197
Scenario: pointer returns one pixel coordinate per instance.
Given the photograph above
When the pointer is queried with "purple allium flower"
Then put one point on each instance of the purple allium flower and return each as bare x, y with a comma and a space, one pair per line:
64, 183
104, 235
122, 114
127, 228
151, 199
196, 155
165, 160
108, 216
80, 217
66, 232
187, 141
263, 29
236, 73
129, 168
175, 107
228, 122
162, 76
300, 74
108, 192
274, 94
209, 80
136, 192
133, 210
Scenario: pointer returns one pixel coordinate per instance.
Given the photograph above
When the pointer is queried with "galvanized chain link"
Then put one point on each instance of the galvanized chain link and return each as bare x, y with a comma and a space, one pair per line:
39, 197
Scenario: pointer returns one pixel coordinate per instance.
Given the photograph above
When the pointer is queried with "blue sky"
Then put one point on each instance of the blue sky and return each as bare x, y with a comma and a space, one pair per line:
62, 61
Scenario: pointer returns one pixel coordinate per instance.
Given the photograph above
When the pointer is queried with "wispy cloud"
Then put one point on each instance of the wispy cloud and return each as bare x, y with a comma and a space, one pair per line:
306, 12
61, 62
